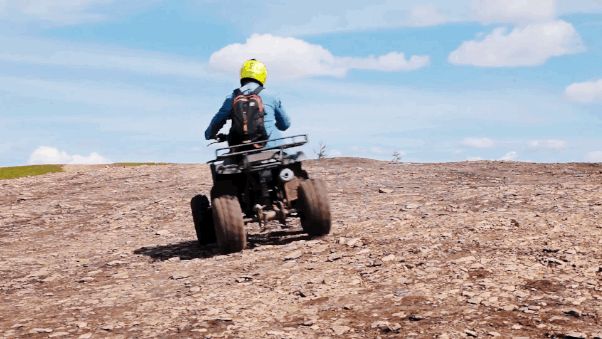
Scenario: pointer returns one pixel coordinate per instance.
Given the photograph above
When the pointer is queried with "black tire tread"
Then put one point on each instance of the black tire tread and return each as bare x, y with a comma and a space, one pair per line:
229, 224
203, 219
314, 207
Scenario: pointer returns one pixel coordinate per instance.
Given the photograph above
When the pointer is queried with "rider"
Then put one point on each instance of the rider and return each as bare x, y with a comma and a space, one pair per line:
253, 74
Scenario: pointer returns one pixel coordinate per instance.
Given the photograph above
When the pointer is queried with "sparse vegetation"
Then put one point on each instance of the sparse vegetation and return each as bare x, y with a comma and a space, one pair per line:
31, 170
396, 157
27, 171
321, 152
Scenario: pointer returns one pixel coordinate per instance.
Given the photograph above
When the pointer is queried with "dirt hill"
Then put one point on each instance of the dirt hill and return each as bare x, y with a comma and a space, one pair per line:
417, 250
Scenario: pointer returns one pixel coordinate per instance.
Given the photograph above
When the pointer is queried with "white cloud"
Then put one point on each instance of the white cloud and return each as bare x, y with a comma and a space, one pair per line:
23, 50
67, 12
549, 144
478, 142
291, 58
426, 15
310, 16
114, 95
585, 92
51, 155
510, 156
355, 16
318, 16
392, 14
55, 11
514, 11
474, 159
78, 72
390, 62
595, 156
529, 45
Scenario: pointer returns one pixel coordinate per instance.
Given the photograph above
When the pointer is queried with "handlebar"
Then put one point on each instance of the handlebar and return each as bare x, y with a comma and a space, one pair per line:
221, 137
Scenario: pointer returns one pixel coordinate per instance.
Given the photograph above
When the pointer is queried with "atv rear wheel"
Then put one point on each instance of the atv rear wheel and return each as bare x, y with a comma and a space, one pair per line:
203, 219
314, 208
229, 224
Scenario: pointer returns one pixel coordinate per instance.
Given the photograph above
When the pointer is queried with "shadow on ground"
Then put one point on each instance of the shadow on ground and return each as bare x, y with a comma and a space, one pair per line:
276, 238
187, 250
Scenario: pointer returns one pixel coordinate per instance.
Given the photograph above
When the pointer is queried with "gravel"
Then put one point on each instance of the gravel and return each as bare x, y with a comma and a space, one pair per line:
446, 250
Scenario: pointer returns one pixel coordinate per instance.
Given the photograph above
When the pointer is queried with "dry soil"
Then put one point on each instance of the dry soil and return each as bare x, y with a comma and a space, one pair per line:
474, 249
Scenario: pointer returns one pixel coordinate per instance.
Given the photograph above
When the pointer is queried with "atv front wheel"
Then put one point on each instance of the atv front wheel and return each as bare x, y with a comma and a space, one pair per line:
203, 219
314, 208
229, 224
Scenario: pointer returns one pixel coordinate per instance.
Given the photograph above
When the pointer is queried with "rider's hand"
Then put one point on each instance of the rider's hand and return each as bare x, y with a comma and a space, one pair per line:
221, 137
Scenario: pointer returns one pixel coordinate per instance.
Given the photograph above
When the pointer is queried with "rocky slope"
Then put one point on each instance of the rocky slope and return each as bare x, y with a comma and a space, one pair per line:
476, 249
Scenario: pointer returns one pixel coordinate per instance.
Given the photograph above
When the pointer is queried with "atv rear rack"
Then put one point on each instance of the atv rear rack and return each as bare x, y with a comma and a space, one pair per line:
294, 141
230, 160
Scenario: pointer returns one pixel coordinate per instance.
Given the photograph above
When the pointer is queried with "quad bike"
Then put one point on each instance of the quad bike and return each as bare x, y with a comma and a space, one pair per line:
255, 183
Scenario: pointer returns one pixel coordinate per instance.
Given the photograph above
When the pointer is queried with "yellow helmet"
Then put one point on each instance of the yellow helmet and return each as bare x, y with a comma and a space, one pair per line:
254, 69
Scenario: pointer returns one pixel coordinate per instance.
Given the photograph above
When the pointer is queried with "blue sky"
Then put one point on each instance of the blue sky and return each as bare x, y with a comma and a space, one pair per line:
88, 81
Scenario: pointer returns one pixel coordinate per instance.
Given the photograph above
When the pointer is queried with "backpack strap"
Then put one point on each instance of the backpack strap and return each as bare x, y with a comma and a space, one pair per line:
257, 90
238, 92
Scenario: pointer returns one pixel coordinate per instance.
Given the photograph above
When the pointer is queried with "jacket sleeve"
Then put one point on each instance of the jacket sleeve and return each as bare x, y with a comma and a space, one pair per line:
283, 121
219, 120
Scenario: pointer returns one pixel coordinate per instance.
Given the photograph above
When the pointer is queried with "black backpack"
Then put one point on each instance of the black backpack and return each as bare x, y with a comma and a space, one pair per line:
247, 118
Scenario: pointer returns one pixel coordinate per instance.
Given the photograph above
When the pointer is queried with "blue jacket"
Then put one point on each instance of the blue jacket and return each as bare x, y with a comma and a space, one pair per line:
275, 117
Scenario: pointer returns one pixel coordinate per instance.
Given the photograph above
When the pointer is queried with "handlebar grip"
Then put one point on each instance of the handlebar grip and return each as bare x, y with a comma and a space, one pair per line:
221, 137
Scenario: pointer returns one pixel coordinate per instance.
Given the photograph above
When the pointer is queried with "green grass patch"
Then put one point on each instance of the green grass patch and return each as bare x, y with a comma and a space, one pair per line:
27, 171
134, 164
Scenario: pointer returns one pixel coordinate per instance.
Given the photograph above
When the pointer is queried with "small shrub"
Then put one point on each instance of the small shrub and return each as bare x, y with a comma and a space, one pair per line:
321, 153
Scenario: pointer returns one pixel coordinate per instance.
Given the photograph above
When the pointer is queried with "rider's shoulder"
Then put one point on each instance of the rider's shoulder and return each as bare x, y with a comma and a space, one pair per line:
230, 96
269, 95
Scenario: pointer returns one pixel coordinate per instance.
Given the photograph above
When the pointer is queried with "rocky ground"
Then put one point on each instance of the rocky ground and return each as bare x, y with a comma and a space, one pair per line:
476, 249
